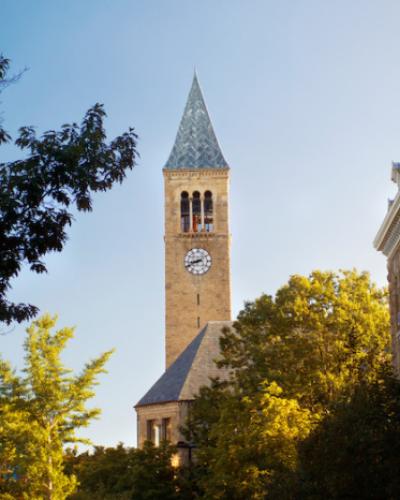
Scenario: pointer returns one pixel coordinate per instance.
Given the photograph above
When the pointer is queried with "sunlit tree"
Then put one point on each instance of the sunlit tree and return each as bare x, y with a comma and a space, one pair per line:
294, 358
40, 411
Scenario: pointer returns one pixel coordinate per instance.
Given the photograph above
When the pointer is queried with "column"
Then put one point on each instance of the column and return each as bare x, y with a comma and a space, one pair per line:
190, 215
203, 228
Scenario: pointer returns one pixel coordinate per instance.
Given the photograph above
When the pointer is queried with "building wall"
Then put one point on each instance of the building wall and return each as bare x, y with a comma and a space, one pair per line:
193, 300
394, 301
387, 241
177, 411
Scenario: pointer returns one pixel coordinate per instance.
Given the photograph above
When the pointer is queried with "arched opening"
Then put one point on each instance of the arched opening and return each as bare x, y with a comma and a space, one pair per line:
185, 212
208, 212
196, 210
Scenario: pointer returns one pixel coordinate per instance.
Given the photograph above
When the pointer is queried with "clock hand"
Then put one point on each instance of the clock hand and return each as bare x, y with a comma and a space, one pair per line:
193, 262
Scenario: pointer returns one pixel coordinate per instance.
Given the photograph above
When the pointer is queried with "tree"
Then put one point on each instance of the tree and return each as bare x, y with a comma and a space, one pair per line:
321, 335
105, 473
60, 170
126, 473
294, 358
253, 451
41, 412
355, 451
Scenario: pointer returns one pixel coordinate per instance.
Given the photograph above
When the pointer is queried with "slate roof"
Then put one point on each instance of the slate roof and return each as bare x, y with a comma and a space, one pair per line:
196, 145
191, 370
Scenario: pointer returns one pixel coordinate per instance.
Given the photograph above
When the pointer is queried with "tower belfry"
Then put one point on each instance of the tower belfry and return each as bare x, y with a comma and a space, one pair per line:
197, 271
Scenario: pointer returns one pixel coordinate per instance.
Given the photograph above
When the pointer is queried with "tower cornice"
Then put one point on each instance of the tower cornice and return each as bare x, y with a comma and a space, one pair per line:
221, 173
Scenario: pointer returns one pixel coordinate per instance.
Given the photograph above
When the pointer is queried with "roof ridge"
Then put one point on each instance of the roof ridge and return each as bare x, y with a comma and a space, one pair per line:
191, 370
204, 367
168, 387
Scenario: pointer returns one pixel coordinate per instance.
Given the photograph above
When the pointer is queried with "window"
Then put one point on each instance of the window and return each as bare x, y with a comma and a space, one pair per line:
196, 210
150, 430
157, 435
185, 212
208, 212
166, 429
153, 432
197, 214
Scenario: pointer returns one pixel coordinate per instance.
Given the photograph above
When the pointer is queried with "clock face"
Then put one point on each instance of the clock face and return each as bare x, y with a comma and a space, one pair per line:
197, 261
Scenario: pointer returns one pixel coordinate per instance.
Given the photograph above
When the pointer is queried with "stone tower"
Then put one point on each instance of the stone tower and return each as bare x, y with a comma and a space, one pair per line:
197, 274
197, 240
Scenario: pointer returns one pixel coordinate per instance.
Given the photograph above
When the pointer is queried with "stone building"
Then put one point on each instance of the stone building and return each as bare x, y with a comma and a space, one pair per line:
197, 272
387, 241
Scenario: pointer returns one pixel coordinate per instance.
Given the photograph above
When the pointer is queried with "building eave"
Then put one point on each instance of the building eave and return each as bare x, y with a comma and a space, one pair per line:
161, 403
388, 236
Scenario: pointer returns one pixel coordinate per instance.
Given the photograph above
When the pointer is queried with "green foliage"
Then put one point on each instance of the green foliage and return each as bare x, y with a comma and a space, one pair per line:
40, 413
126, 473
59, 170
355, 451
103, 473
296, 359
254, 445
319, 337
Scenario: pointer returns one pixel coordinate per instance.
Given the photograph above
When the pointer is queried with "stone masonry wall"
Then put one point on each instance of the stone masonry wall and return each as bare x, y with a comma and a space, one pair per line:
176, 410
193, 300
394, 297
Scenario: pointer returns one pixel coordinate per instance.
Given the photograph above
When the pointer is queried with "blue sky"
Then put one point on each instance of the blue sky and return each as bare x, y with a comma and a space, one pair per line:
305, 101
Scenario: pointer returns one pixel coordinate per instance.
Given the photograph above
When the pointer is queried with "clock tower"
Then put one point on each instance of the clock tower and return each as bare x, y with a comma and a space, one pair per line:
197, 274
197, 239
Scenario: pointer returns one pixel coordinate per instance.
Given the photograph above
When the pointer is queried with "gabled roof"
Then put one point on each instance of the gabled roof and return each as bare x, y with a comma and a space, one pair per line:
191, 370
196, 145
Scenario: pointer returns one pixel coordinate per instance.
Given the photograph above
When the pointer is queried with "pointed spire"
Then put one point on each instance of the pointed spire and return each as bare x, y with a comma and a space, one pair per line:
196, 145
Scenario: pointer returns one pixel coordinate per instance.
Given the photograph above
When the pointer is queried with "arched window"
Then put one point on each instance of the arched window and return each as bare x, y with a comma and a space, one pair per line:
196, 210
185, 212
208, 212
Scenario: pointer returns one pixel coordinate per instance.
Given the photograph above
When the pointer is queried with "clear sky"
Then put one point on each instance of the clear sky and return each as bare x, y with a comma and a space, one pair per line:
305, 101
